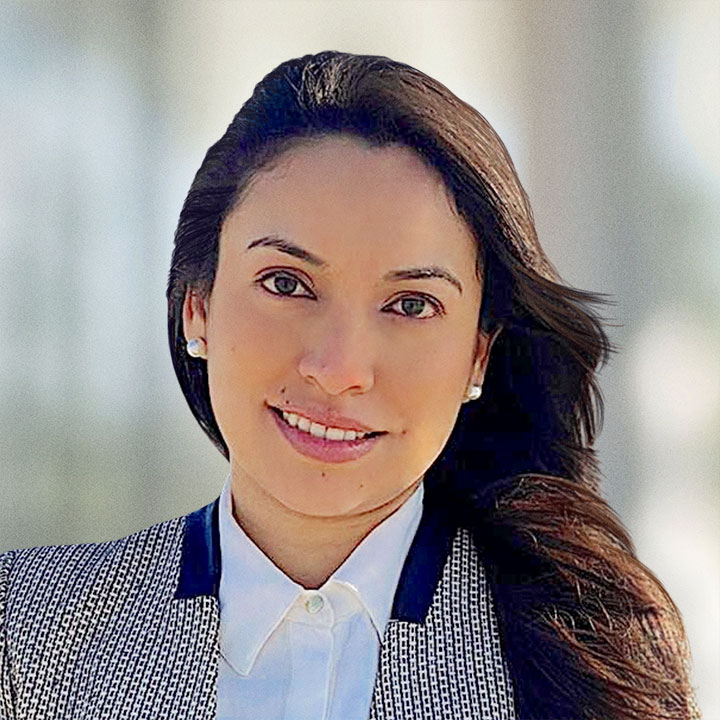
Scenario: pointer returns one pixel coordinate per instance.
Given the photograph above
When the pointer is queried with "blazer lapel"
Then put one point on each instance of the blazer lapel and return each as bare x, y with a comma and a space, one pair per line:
196, 597
441, 655
200, 559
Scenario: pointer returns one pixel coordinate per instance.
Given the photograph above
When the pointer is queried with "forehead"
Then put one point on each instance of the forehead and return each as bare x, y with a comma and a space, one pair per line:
338, 195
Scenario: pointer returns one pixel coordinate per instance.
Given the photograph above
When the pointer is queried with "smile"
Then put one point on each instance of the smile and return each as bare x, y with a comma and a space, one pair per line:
319, 430
324, 443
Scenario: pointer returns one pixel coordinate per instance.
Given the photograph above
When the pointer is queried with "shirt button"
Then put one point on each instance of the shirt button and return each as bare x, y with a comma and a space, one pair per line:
314, 604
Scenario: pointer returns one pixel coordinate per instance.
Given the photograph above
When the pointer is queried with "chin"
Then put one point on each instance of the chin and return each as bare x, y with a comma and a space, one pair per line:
324, 507
323, 501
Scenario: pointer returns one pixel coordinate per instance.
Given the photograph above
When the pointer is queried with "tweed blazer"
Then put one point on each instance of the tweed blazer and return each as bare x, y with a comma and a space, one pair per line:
129, 629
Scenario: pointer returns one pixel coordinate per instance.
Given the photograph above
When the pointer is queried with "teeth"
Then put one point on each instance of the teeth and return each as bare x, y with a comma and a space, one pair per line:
319, 430
336, 434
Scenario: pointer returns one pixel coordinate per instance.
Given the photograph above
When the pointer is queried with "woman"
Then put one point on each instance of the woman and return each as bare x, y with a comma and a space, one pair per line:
364, 323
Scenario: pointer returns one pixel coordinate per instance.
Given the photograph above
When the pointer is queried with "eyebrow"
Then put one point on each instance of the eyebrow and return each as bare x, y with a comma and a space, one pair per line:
413, 273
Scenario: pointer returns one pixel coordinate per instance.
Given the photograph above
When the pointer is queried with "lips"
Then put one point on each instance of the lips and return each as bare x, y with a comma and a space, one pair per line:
322, 449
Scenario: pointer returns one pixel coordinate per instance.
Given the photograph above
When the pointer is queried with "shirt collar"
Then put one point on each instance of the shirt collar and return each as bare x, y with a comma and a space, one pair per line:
255, 595
199, 571
373, 568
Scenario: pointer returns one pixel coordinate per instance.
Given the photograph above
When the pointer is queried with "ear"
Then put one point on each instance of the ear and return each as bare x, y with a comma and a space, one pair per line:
194, 316
482, 354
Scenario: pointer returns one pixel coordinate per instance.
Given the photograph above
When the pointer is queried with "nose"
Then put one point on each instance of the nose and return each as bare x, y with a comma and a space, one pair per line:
338, 356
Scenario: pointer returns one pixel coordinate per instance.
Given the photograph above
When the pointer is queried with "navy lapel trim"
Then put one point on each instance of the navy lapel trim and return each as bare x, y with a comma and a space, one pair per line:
200, 559
422, 570
424, 564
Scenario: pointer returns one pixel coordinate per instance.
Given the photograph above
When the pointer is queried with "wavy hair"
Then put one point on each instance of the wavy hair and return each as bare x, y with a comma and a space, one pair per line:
577, 610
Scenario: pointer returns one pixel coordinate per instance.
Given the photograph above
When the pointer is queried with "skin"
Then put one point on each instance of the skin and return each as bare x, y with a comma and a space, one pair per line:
342, 340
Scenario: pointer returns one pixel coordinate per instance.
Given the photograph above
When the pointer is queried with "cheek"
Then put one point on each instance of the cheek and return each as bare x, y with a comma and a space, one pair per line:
248, 348
441, 367
428, 384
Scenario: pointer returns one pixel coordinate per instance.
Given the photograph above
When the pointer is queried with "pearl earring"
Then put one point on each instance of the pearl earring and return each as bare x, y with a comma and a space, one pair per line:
474, 393
197, 347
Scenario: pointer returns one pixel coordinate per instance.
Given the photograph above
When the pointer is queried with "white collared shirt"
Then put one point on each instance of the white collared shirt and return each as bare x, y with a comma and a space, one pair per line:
287, 653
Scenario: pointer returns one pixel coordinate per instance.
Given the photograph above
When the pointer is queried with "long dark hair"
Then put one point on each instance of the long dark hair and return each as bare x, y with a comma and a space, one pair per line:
576, 606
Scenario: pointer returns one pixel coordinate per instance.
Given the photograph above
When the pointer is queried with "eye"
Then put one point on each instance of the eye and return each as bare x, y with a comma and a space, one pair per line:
284, 282
413, 306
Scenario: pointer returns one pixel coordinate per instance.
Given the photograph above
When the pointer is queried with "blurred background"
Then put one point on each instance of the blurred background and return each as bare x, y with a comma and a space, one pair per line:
610, 110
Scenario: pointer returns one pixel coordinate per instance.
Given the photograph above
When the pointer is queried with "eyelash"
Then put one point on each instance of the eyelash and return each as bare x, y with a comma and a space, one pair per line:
283, 273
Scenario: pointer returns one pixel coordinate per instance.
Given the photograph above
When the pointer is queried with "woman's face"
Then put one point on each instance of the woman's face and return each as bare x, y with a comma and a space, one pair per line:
340, 330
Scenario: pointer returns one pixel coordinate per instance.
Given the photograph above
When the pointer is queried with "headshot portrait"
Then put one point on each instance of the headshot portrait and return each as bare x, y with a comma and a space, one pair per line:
379, 492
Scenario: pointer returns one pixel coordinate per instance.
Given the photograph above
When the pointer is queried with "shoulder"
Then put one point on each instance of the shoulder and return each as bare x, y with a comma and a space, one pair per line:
82, 625
73, 561
47, 579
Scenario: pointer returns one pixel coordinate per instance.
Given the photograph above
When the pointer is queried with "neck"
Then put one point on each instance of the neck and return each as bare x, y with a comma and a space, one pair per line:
307, 548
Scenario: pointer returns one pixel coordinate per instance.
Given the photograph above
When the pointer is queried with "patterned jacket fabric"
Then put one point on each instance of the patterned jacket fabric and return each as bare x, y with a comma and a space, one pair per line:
129, 629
